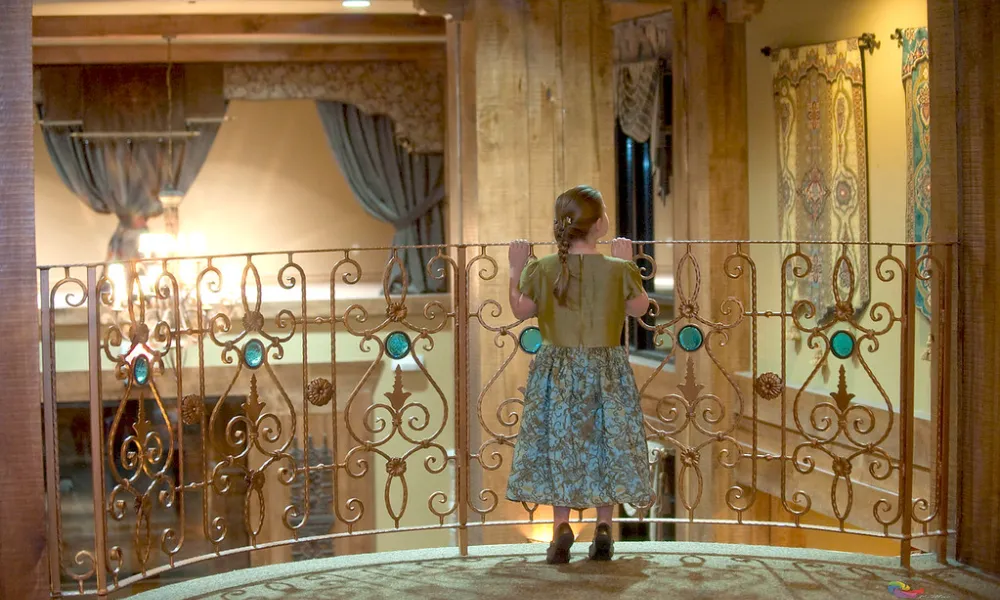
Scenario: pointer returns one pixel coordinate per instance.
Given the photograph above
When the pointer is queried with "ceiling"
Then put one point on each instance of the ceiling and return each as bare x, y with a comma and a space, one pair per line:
182, 7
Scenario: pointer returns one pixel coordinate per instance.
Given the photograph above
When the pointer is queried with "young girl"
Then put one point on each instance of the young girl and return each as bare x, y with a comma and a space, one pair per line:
582, 442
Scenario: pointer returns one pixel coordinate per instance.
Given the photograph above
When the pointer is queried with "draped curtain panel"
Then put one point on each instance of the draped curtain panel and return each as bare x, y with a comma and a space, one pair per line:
123, 177
88, 113
917, 93
819, 96
640, 47
410, 94
392, 184
646, 38
637, 95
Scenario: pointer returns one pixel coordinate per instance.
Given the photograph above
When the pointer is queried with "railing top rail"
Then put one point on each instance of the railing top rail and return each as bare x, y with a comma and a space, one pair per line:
483, 245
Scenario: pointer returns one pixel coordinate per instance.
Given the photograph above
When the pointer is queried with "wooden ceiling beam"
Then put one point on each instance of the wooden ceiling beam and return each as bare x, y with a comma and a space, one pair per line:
235, 53
181, 25
451, 9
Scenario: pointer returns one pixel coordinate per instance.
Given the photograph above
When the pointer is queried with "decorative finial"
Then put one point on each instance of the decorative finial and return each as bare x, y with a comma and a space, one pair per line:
841, 396
397, 397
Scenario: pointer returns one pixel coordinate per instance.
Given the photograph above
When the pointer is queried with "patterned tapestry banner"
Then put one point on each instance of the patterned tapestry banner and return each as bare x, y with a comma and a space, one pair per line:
819, 94
917, 92
411, 94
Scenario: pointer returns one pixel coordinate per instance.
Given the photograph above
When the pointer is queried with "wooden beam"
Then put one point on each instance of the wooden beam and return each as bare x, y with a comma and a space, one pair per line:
452, 9
233, 53
628, 11
185, 25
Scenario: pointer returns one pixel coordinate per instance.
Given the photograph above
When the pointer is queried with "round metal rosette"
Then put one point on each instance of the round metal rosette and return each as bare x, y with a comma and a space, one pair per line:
319, 392
769, 385
192, 409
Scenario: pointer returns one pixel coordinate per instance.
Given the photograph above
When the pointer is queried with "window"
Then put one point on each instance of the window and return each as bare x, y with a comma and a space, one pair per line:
644, 213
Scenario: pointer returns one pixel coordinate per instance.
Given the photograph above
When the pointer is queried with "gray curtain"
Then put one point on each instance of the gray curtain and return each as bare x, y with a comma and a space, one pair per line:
392, 184
123, 177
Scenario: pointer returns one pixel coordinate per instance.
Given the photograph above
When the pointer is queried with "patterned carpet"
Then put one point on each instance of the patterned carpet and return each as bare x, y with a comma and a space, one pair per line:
640, 570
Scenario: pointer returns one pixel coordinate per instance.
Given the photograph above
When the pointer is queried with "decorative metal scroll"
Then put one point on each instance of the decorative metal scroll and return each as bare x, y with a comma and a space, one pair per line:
421, 438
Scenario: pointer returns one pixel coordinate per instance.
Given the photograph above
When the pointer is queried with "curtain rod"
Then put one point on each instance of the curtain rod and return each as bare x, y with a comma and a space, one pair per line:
866, 41
79, 122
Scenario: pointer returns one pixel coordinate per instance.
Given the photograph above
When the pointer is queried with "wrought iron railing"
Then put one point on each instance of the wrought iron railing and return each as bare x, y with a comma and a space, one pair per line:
199, 412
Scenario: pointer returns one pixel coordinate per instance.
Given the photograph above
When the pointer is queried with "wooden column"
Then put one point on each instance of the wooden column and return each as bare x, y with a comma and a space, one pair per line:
460, 100
711, 202
530, 114
22, 506
965, 105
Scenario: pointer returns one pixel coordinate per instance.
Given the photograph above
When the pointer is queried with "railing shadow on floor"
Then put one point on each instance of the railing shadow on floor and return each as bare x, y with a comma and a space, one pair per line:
228, 411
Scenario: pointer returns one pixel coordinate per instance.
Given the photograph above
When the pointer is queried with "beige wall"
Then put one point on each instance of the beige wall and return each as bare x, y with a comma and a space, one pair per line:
785, 23
270, 183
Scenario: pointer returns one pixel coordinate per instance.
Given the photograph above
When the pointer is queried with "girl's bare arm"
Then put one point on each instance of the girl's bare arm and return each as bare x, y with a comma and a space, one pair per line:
636, 307
522, 306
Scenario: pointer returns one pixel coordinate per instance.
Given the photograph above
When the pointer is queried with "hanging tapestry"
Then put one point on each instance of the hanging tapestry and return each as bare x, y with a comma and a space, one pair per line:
819, 94
917, 92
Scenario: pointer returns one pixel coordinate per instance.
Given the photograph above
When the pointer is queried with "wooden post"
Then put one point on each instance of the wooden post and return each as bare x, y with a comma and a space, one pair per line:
711, 202
530, 115
22, 510
965, 67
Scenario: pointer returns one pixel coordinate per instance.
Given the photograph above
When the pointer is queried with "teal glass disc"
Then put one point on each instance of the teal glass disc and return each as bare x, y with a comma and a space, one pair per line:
397, 345
690, 338
530, 340
842, 345
253, 354
140, 370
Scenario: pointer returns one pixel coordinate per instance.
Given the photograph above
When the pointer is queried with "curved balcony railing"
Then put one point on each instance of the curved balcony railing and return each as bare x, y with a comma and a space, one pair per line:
219, 412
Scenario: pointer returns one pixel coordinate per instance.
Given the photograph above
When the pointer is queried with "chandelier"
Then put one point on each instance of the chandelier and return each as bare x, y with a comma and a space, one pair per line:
146, 282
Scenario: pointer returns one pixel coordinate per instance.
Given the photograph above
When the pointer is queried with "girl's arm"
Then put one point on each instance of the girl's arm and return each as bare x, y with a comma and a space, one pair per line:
621, 248
637, 307
522, 306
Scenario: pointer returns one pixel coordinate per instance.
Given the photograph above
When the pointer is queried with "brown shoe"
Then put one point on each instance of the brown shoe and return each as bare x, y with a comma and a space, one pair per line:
603, 546
558, 552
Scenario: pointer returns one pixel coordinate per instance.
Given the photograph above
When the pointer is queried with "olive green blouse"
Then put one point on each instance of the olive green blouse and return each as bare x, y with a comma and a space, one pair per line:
595, 300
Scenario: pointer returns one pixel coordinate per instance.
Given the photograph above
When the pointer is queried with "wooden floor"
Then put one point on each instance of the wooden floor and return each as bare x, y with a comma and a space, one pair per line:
640, 570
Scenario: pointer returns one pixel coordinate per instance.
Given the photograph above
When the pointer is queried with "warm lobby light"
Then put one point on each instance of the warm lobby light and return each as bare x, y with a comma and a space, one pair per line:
542, 533
356, 4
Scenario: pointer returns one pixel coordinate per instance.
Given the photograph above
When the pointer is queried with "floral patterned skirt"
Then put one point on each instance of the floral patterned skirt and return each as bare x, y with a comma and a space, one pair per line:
582, 441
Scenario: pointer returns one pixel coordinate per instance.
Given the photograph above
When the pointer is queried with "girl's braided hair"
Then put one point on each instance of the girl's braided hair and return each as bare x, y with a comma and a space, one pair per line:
577, 211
